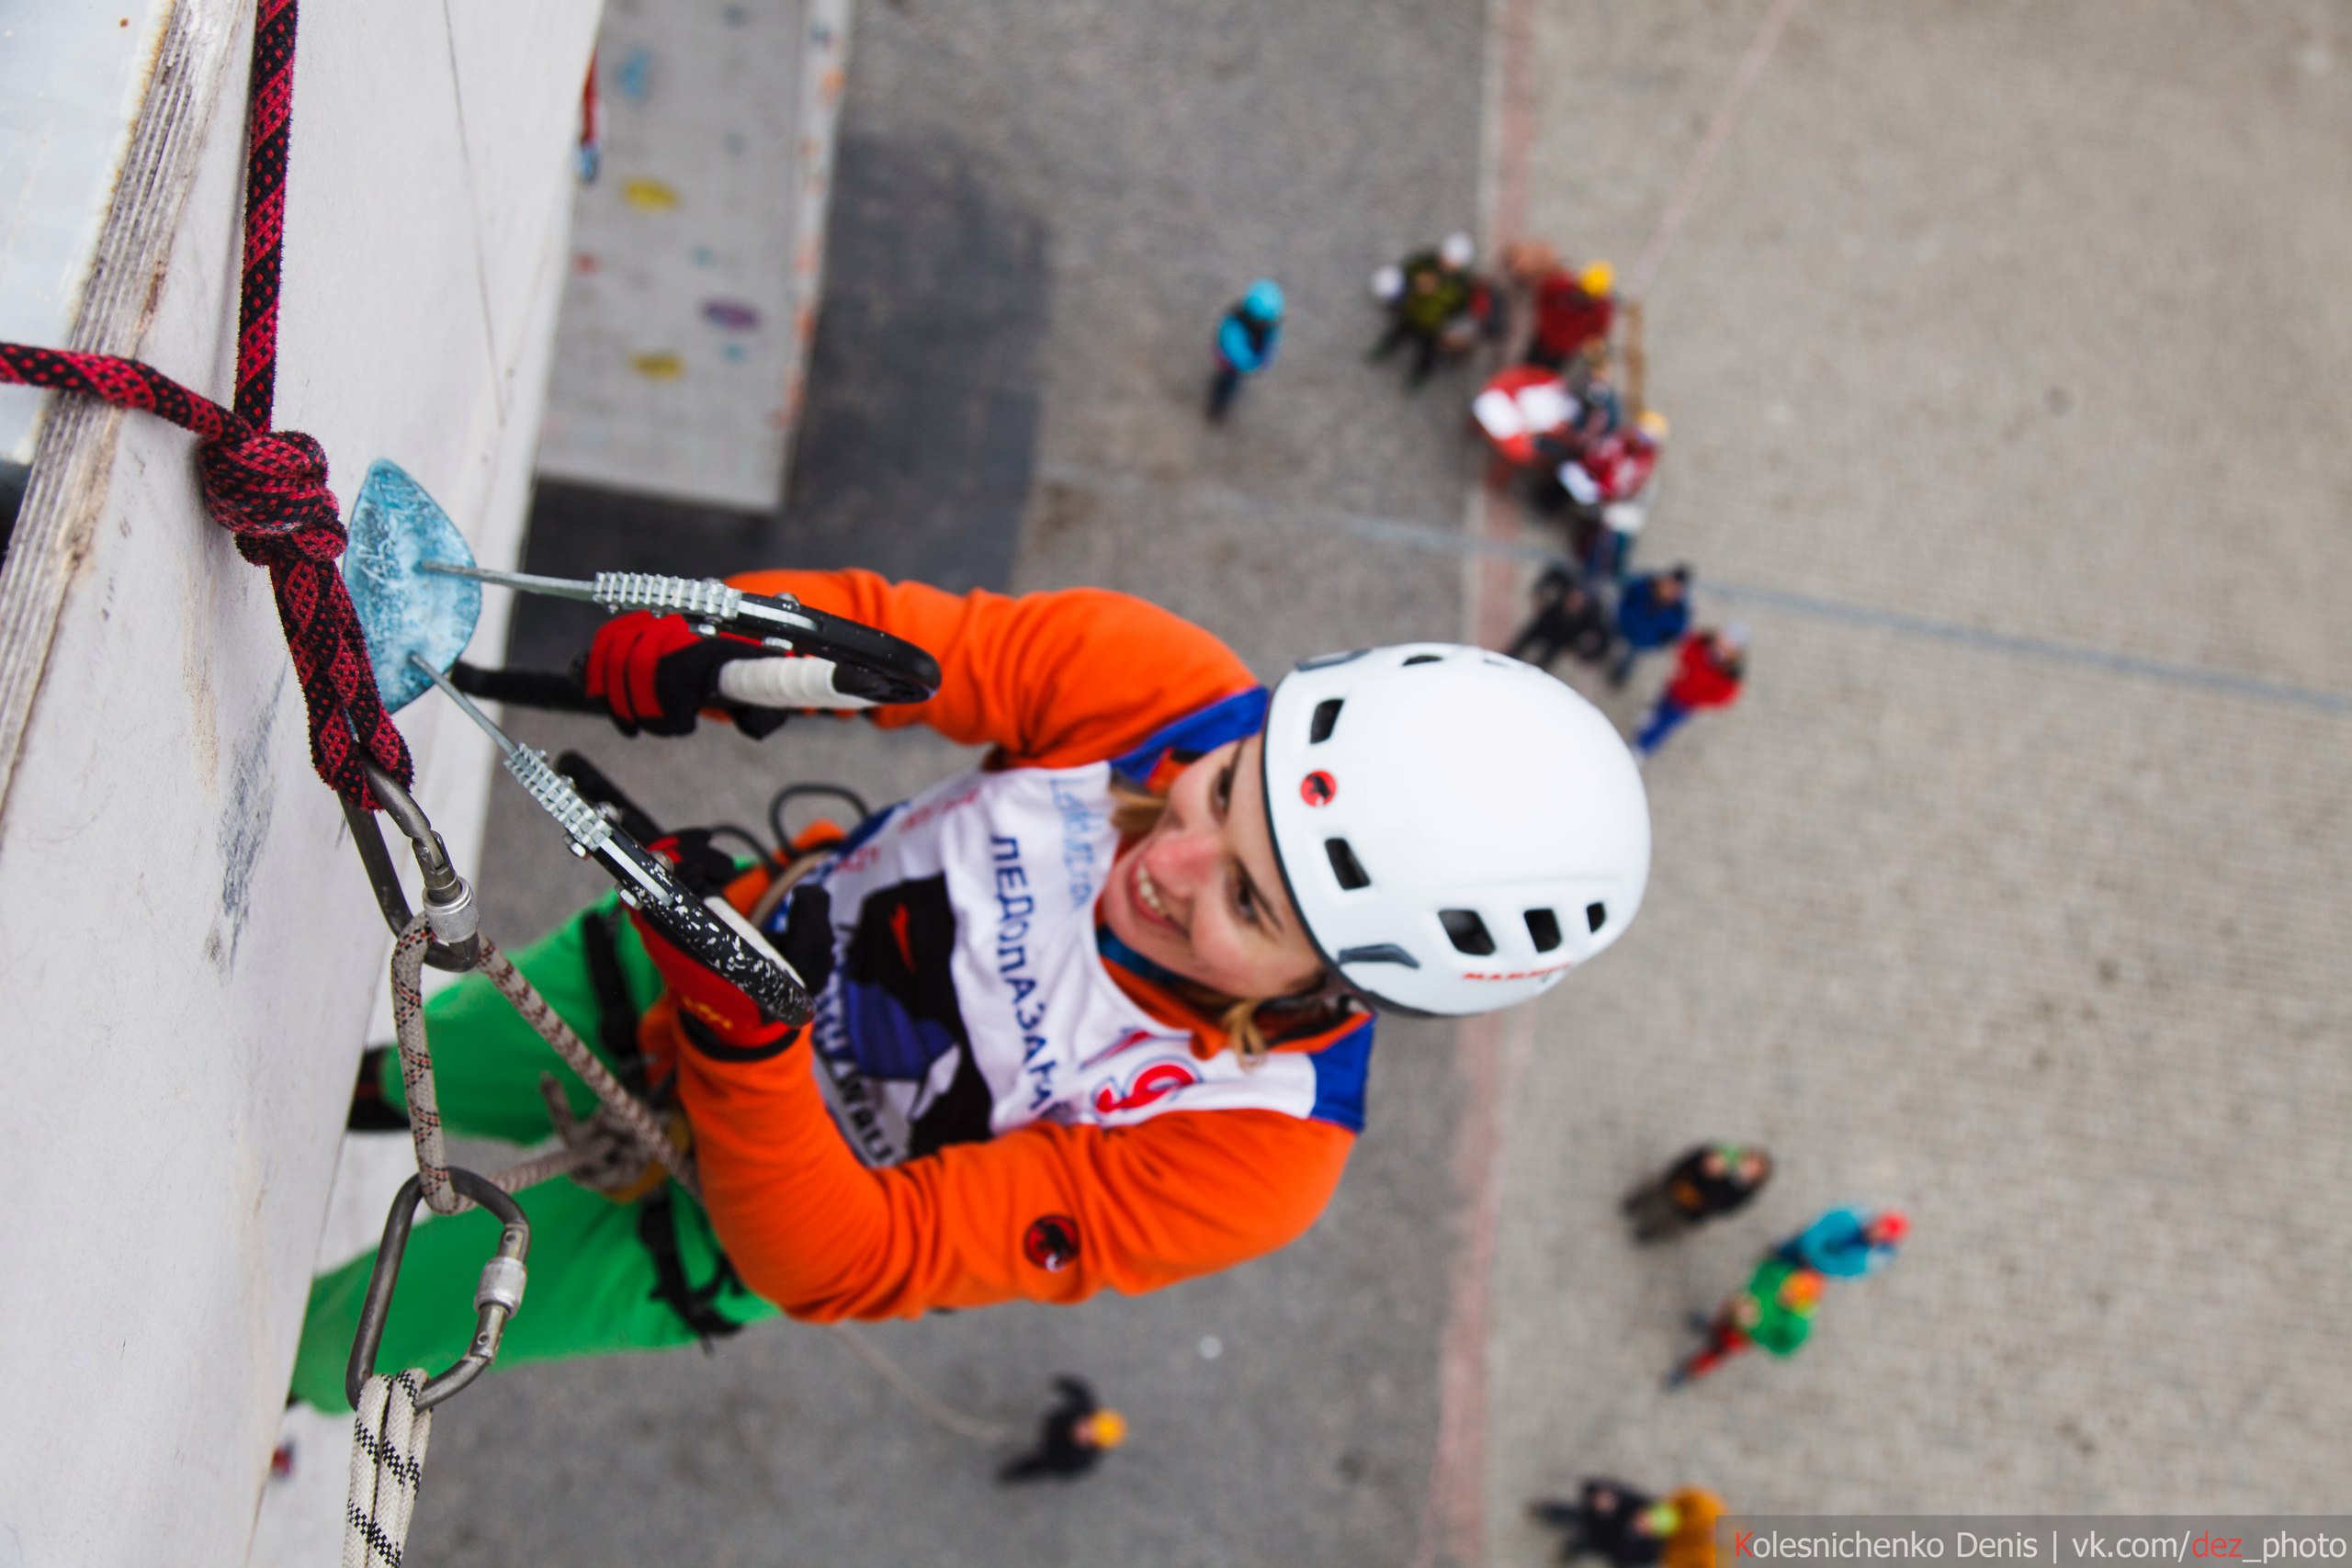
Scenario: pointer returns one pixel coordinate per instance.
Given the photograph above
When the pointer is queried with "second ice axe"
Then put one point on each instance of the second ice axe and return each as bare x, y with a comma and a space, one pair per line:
707, 930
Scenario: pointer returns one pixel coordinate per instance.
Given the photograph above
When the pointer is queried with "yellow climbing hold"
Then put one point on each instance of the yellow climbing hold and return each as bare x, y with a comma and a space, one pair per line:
662, 366
649, 196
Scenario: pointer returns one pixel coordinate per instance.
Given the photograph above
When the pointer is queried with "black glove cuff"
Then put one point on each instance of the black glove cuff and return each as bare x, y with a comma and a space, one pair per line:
706, 1043
807, 940
686, 682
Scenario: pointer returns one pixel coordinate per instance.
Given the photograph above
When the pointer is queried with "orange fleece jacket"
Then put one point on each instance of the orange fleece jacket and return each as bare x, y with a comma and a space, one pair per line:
1050, 680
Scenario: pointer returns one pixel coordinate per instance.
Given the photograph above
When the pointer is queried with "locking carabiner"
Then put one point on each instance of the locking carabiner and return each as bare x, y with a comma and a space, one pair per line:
495, 1299
449, 908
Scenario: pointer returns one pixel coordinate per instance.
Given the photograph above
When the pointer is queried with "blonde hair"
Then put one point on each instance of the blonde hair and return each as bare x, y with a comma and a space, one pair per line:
1134, 813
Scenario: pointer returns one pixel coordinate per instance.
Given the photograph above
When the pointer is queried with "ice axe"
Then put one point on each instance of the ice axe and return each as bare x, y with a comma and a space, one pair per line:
418, 594
709, 929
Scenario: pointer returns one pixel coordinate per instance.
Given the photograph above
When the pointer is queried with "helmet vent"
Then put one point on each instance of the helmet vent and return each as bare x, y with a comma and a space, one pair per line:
1468, 932
1345, 866
1595, 916
1544, 926
1423, 659
1380, 953
1327, 714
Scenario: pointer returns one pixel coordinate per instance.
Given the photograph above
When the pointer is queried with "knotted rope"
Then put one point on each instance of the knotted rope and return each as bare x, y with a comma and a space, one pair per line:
268, 488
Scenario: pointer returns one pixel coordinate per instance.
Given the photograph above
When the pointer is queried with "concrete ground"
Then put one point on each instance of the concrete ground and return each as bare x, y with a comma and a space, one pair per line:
1995, 322
2006, 351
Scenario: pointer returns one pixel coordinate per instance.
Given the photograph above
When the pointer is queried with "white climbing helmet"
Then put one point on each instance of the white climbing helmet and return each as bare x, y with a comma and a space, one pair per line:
1456, 829
1457, 250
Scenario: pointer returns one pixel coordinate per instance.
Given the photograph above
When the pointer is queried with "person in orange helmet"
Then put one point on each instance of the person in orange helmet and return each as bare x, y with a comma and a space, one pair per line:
1774, 1310
1072, 1439
1574, 309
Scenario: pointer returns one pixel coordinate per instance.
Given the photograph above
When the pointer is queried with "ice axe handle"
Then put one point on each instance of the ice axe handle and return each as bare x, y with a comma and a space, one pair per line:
556, 690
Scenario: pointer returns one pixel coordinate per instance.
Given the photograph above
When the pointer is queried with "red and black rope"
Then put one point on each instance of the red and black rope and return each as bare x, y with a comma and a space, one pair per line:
268, 488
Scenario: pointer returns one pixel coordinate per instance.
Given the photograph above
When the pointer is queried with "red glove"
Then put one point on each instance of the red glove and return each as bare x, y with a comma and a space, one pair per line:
720, 1019
657, 673
712, 1009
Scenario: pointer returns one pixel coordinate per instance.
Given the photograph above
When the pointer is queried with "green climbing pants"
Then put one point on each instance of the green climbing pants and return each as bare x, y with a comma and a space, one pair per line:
594, 1283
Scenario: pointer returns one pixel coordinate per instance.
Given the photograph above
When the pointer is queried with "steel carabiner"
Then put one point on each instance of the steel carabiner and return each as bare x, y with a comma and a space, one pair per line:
496, 1298
449, 907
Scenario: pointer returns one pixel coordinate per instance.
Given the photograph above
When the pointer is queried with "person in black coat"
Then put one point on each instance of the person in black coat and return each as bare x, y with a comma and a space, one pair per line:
1611, 1520
1708, 1181
1072, 1439
1569, 618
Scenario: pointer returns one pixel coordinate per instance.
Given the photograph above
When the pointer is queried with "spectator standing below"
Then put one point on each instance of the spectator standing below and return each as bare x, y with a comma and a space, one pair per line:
1774, 1310
1569, 618
1611, 1520
1707, 1181
1707, 676
1434, 299
1609, 479
1846, 1244
1073, 1439
1692, 1544
1573, 311
1247, 340
1653, 612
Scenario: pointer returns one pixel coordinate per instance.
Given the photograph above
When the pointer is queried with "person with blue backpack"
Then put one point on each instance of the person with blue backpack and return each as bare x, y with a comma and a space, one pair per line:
1247, 340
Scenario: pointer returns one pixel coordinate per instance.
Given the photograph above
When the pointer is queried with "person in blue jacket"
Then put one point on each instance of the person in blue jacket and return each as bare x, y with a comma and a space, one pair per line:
1847, 1244
1653, 612
1245, 341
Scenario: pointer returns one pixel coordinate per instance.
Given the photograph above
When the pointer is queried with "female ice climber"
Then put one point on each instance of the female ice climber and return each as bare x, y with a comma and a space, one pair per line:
1096, 1014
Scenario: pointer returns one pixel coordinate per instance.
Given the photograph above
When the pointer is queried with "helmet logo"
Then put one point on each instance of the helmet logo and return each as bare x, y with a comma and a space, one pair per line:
1317, 788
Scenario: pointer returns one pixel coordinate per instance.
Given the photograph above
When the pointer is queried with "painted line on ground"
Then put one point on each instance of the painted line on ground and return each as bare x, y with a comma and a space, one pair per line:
1490, 544
1421, 537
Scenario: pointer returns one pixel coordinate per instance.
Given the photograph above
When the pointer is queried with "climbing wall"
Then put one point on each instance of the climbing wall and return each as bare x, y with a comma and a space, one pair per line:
698, 244
66, 74
188, 949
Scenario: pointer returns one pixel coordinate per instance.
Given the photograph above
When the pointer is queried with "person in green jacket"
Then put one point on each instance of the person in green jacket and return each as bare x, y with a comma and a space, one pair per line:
1774, 1309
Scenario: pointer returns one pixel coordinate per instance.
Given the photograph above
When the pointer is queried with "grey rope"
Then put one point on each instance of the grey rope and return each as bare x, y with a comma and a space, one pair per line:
621, 1115
416, 1067
973, 1426
633, 1115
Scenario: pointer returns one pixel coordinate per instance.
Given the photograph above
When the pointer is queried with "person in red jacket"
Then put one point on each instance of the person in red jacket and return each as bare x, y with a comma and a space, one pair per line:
1573, 311
1707, 674
1095, 1015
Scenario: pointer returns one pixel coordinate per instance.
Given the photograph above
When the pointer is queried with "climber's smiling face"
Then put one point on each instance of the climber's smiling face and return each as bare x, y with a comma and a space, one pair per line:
1201, 895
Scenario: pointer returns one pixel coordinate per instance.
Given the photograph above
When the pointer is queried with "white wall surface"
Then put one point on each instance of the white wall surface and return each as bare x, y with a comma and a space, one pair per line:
72, 73
188, 950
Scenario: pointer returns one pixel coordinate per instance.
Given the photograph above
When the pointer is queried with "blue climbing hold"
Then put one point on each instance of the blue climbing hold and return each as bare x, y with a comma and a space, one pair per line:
395, 527
635, 75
